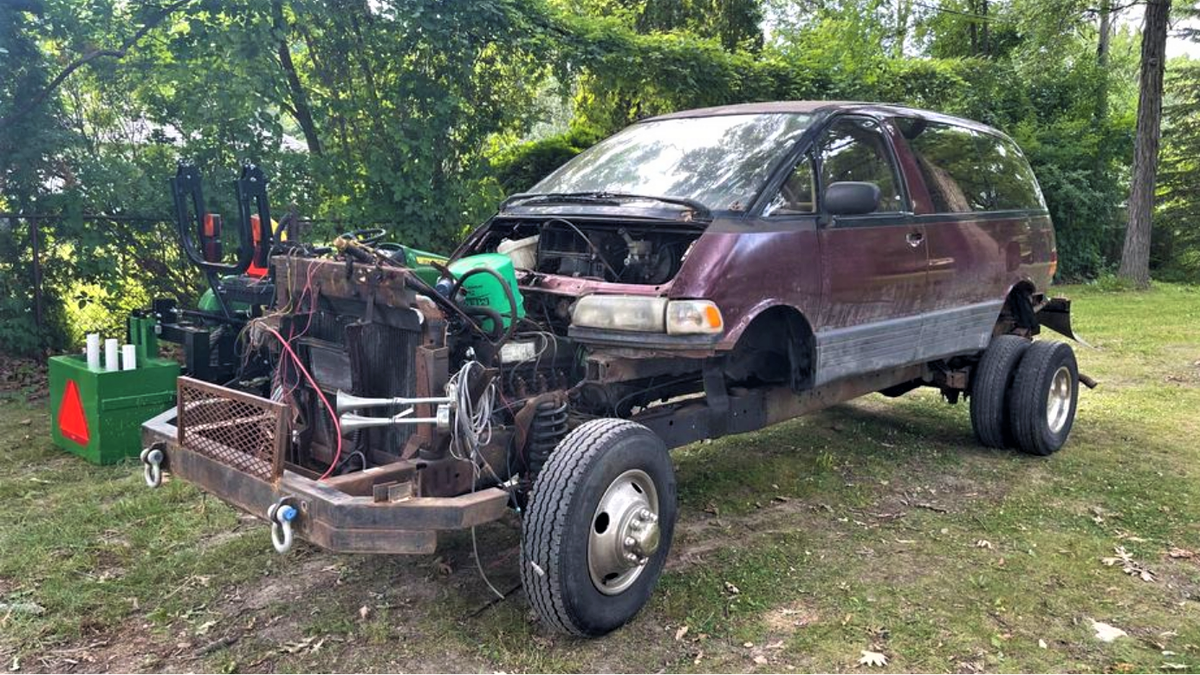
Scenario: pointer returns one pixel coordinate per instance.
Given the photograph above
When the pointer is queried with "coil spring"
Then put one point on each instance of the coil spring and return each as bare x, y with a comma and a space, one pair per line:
548, 427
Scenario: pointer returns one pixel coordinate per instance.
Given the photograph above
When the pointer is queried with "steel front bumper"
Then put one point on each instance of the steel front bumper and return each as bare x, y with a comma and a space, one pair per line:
384, 522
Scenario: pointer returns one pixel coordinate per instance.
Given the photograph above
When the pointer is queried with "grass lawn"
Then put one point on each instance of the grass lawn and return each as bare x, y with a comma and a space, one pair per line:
878, 525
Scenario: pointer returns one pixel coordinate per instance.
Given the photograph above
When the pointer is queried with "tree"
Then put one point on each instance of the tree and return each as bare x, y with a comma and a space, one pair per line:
1135, 256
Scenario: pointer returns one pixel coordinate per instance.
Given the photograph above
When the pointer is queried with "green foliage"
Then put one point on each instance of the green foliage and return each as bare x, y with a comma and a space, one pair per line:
519, 167
1175, 245
423, 114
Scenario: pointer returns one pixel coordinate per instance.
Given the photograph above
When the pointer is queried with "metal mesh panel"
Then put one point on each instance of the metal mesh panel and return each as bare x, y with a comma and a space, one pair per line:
239, 430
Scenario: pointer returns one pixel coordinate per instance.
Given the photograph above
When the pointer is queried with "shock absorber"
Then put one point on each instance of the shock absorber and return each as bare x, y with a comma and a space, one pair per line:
548, 427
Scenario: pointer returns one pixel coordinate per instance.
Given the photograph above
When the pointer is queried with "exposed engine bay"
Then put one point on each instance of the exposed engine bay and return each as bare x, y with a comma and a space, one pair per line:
613, 251
455, 369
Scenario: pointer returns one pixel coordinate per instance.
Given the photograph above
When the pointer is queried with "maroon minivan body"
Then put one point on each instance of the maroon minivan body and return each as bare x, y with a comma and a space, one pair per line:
960, 227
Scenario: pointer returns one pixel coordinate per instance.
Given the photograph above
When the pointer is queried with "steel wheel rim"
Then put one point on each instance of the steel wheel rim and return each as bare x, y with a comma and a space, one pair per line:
623, 534
1058, 402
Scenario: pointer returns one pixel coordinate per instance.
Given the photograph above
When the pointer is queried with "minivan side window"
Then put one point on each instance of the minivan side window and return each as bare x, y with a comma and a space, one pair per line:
796, 195
948, 157
1014, 186
854, 149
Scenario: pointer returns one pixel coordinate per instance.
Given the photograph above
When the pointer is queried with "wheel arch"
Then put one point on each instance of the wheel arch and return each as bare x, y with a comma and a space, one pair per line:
1018, 314
780, 329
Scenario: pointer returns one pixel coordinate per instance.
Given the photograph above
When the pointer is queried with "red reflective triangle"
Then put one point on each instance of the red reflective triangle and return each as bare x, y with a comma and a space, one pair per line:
71, 420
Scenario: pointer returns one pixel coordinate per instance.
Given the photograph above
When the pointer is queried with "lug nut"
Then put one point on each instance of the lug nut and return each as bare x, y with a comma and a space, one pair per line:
631, 557
645, 514
630, 541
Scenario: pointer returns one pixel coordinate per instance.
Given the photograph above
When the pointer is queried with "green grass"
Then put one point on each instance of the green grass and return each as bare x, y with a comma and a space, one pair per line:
876, 525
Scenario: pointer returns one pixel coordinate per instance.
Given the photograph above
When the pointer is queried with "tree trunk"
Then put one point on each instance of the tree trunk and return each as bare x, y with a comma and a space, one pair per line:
1106, 17
1135, 257
1101, 112
300, 107
1105, 33
903, 9
973, 25
983, 28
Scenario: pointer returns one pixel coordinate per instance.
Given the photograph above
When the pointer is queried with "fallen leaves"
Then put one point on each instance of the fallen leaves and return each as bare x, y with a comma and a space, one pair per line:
1106, 632
1129, 565
683, 630
1181, 553
309, 644
731, 589
984, 543
872, 659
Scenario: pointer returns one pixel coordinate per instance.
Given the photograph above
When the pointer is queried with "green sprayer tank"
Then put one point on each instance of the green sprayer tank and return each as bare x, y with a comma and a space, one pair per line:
485, 290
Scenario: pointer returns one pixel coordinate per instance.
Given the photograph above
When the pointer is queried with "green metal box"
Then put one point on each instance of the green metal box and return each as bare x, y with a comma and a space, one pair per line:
97, 414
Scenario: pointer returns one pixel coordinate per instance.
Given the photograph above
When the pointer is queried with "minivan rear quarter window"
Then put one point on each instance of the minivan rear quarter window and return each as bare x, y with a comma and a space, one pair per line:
948, 157
1013, 184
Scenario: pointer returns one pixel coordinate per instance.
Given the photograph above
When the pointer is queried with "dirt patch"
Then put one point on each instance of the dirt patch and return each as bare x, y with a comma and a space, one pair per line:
789, 618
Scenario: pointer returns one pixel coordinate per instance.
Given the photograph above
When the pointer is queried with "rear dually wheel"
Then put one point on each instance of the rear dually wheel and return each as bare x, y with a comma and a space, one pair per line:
1044, 397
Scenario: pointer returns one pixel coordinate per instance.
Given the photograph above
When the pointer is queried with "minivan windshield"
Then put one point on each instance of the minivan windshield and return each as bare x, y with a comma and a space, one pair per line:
720, 161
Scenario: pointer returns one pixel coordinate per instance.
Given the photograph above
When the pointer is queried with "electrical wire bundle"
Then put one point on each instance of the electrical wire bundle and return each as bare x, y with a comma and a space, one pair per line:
471, 428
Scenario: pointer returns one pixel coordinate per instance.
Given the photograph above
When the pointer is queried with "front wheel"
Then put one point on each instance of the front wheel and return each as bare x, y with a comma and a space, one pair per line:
598, 527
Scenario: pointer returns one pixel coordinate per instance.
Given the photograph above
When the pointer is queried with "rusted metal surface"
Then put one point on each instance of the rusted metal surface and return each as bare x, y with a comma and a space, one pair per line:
623, 365
330, 279
752, 409
328, 517
363, 483
244, 432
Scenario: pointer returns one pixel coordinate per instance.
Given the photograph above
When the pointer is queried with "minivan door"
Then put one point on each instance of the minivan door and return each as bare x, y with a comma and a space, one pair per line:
873, 265
974, 193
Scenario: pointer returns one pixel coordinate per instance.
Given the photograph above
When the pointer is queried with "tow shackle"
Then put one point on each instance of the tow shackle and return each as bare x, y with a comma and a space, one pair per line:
280, 515
152, 460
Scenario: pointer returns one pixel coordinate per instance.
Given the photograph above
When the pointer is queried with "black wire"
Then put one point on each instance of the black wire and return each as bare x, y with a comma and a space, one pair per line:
508, 292
652, 387
595, 249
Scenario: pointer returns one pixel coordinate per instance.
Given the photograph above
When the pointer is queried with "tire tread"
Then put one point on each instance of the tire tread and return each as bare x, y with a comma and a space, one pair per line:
545, 521
989, 390
1026, 406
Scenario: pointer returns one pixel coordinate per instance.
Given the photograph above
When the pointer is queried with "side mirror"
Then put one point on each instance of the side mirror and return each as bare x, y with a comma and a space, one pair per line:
851, 198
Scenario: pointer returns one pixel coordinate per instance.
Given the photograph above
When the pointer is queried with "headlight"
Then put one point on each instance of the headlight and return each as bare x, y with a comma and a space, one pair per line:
691, 317
621, 312
648, 315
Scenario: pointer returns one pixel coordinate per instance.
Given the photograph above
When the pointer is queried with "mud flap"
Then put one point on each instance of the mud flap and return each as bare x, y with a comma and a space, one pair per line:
1056, 315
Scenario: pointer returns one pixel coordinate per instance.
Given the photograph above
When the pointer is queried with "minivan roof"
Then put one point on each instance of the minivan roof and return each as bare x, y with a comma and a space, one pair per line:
873, 109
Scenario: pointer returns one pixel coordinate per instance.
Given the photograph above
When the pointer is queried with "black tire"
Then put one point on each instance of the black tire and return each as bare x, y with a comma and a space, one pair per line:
1031, 418
990, 382
558, 525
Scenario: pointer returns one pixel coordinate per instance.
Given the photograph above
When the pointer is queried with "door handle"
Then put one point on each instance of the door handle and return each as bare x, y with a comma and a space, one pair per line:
915, 238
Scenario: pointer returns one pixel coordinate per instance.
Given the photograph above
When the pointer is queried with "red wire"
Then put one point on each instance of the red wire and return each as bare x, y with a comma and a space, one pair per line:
337, 426
307, 291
